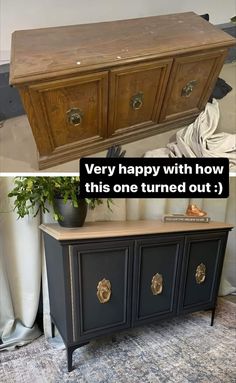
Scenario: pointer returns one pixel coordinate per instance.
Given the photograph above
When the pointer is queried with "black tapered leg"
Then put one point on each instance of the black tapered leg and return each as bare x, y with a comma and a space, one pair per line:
69, 358
53, 329
213, 316
70, 351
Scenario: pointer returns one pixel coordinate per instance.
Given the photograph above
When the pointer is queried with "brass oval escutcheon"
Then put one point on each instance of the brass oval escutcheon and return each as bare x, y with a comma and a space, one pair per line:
157, 284
74, 116
137, 101
200, 274
104, 290
188, 88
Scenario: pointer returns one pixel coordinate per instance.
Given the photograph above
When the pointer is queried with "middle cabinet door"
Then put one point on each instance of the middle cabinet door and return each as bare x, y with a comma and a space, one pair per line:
136, 94
157, 266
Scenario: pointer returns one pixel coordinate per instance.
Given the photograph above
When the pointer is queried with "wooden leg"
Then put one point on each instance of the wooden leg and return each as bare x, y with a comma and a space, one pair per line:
53, 329
213, 316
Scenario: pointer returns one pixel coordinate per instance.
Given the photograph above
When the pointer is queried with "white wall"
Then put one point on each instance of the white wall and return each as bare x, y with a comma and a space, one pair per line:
26, 14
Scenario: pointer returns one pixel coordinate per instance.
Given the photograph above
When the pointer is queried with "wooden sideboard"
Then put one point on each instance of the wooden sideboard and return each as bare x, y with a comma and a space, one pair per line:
109, 276
87, 87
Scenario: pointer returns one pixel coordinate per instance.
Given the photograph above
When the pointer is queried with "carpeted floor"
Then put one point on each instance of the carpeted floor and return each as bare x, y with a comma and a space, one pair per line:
183, 349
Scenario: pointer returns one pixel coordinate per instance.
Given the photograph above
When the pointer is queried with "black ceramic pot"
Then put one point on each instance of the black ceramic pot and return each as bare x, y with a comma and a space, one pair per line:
73, 216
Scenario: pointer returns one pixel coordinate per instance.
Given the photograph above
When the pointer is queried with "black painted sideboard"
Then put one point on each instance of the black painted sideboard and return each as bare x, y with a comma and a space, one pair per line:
109, 276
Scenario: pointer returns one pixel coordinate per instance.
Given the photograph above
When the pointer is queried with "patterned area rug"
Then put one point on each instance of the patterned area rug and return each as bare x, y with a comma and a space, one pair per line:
182, 349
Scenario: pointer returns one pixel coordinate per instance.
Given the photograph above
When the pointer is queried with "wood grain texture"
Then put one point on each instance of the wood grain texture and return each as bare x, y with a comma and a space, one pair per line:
52, 100
38, 128
98, 69
203, 69
39, 53
149, 80
106, 229
74, 151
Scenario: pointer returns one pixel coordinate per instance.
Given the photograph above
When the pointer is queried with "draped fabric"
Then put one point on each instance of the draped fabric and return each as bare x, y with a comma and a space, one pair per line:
200, 140
20, 274
21, 255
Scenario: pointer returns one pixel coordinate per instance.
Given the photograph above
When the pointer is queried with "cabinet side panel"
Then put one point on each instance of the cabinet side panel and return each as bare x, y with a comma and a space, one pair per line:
39, 130
57, 285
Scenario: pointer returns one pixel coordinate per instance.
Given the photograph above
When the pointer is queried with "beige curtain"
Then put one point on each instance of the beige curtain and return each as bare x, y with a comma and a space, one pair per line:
20, 273
21, 255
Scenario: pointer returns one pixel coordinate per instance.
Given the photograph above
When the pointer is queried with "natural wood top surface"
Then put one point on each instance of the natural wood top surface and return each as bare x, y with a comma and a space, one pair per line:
107, 229
47, 52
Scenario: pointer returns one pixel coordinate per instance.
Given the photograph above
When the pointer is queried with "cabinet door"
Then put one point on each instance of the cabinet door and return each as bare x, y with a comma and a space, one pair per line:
157, 264
101, 282
191, 83
136, 95
202, 265
69, 112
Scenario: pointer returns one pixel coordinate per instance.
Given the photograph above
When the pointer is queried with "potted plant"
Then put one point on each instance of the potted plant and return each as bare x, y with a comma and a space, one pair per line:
35, 194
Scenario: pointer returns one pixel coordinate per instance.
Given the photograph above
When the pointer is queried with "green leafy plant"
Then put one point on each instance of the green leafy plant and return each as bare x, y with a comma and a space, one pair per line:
33, 194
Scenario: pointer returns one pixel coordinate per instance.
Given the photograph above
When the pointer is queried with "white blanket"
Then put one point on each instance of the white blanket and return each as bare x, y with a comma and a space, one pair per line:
199, 140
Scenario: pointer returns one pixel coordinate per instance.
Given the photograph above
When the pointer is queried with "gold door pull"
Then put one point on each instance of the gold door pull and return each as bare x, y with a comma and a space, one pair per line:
104, 290
157, 284
200, 274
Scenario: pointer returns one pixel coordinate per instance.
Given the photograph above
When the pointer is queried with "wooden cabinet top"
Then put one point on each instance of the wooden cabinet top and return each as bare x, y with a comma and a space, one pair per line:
108, 229
51, 52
